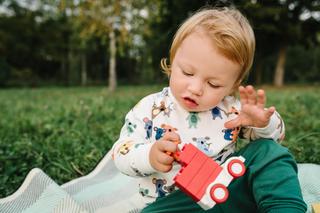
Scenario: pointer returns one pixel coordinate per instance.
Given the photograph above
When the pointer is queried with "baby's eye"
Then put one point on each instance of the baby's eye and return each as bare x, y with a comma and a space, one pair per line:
186, 73
213, 85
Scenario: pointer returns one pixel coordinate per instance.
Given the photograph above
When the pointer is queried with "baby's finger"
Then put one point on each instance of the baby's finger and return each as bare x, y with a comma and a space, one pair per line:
252, 96
167, 146
171, 136
270, 111
163, 167
261, 100
165, 159
233, 123
243, 95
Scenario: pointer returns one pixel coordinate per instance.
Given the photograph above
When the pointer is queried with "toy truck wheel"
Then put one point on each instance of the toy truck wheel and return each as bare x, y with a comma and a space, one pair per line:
236, 168
219, 193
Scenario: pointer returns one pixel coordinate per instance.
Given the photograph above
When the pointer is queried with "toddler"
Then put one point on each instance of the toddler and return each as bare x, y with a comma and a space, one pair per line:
210, 56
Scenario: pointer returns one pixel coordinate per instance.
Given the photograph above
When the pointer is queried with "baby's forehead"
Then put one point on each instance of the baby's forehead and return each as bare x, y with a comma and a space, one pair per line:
199, 44
211, 41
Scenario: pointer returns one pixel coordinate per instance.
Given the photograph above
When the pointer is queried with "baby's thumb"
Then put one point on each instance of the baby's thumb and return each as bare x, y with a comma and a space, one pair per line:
233, 123
172, 136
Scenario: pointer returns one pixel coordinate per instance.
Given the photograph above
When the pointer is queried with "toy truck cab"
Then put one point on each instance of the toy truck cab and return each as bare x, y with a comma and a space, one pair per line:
203, 179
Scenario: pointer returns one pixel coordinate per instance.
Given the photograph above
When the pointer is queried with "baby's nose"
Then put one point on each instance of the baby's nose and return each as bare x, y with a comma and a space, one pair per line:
196, 88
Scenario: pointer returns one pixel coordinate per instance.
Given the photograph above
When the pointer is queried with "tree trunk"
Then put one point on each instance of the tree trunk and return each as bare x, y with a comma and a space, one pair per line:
112, 62
83, 69
279, 72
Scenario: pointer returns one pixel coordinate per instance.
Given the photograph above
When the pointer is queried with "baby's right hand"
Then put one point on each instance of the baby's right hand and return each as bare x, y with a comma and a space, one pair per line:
159, 157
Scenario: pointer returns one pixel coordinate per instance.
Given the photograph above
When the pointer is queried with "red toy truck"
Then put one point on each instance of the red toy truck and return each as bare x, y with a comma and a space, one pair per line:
203, 179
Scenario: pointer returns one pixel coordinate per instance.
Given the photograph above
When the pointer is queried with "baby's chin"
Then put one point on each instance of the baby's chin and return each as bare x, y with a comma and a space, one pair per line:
197, 109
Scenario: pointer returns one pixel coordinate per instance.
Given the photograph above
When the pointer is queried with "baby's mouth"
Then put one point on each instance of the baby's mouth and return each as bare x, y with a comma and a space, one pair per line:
190, 102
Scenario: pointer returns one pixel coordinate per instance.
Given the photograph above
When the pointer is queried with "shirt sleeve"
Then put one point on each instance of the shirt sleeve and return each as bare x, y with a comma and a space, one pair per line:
131, 150
275, 130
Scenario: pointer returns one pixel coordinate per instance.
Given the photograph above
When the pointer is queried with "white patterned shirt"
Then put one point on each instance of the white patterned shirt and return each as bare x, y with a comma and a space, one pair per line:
158, 113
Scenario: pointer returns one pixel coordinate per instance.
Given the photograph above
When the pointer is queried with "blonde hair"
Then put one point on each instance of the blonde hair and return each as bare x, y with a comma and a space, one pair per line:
230, 32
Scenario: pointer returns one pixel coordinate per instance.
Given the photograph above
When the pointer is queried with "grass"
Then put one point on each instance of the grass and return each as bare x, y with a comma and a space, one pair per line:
66, 131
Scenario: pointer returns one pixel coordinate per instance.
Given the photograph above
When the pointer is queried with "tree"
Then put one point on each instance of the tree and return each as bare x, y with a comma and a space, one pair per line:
20, 51
280, 23
110, 21
42, 50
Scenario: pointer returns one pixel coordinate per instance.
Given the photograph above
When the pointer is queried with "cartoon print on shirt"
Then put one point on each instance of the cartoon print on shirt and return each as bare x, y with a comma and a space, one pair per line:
130, 126
231, 134
148, 127
138, 144
125, 147
216, 112
203, 145
170, 189
168, 128
156, 110
227, 134
233, 110
143, 192
159, 183
193, 119
159, 132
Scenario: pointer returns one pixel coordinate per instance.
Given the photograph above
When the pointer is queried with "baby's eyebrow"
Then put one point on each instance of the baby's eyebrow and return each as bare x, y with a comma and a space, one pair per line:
186, 65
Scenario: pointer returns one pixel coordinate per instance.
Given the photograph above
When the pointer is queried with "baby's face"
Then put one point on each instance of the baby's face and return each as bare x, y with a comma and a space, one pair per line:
201, 76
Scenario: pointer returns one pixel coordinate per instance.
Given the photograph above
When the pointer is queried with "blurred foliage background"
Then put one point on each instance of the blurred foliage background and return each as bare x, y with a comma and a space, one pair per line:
70, 70
111, 42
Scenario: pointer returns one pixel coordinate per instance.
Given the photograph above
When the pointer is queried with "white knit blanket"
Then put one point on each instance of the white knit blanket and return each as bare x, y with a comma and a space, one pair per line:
309, 177
107, 190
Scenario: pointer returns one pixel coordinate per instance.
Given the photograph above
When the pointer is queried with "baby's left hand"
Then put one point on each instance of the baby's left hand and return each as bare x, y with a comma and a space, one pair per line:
253, 112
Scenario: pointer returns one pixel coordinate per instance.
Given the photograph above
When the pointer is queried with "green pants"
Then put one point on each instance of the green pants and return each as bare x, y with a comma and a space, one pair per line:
270, 184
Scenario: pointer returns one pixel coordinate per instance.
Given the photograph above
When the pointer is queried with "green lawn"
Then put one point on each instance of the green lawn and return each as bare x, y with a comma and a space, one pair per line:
66, 131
